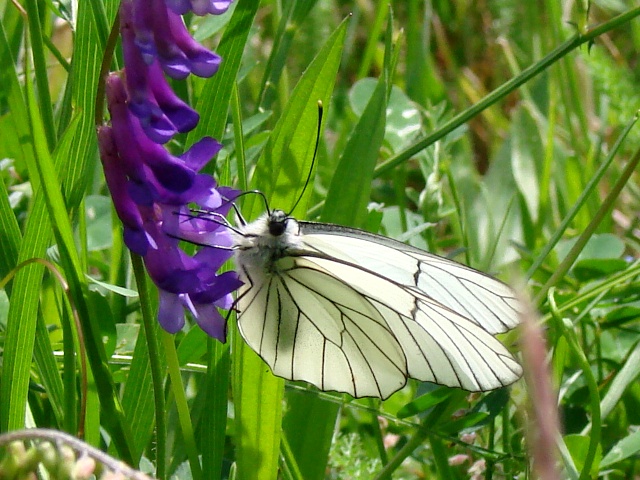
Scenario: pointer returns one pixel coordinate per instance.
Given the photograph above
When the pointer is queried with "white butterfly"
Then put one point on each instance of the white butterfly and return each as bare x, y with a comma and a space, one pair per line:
354, 312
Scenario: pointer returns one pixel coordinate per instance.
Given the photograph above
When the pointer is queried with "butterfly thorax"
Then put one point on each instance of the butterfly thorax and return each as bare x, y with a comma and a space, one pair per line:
259, 245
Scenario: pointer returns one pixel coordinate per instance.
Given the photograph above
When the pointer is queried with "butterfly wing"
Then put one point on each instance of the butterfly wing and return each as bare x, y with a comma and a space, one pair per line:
472, 294
326, 320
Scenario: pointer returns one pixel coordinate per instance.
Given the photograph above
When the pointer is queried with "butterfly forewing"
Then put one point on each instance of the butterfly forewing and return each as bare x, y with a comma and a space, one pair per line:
470, 293
479, 297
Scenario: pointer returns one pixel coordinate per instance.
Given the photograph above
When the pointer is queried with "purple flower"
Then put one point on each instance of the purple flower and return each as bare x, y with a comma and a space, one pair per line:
191, 283
156, 218
150, 188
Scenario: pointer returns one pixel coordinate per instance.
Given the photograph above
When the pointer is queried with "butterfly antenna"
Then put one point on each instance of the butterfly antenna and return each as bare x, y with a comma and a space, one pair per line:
313, 160
200, 244
207, 216
248, 192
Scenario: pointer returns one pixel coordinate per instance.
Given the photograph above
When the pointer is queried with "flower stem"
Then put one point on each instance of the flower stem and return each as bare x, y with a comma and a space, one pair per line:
149, 331
177, 387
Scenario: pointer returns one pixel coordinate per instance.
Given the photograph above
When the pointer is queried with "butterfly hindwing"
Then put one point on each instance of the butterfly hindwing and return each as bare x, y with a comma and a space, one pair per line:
328, 335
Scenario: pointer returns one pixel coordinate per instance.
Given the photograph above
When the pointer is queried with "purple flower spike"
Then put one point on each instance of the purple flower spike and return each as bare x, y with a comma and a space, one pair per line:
152, 189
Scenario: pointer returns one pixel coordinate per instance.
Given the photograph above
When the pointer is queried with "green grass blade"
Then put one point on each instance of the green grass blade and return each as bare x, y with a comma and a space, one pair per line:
137, 399
40, 69
285, 162
257, 399
350, 187
294, 14
63, 232
21, 323
376, 27
182, 406
212, 425
87, 58
215, 94
149, 334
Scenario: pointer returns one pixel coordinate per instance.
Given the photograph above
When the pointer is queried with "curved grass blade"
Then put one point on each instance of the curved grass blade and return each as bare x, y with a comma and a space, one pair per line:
280, 174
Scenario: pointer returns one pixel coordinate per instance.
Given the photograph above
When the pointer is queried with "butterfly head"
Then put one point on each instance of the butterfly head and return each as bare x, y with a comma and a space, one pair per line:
261, 245
277, 223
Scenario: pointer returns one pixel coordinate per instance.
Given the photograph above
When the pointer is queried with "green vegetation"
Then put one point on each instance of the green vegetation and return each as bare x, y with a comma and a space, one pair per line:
500, 133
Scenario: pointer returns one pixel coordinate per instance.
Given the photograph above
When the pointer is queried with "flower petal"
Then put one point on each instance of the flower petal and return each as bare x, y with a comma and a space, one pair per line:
201, 152
170, 312
203, 62
209, 319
